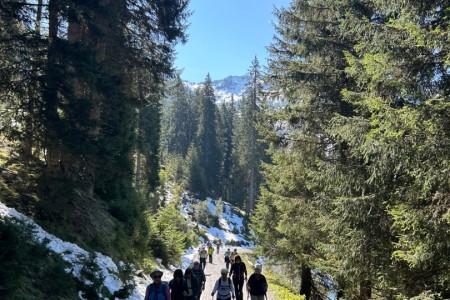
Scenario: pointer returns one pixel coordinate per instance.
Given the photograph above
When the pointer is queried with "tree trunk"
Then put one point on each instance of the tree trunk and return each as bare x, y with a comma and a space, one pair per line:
252, 191
50, 94
138, 169
365, 290
306, 282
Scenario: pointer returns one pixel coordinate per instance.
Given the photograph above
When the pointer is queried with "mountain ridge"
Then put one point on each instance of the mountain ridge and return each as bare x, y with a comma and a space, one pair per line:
226, 88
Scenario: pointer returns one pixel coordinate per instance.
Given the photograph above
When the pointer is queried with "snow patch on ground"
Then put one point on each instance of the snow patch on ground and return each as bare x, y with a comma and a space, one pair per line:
230, 220
76, 257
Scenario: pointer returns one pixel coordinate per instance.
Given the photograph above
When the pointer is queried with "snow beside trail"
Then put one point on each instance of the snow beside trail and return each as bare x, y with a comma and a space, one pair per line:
230, 220
76, 257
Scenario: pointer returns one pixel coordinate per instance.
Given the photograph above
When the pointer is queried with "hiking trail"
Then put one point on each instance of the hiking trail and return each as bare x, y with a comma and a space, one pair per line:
212, 273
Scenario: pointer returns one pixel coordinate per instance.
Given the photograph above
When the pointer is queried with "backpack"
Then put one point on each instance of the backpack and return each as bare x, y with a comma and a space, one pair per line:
163, 289
229, 282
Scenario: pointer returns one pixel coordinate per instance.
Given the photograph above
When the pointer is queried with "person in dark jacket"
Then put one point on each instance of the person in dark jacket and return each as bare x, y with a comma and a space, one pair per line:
197, 271
192, 285
238, 271
157, 289
257, 284
178, 286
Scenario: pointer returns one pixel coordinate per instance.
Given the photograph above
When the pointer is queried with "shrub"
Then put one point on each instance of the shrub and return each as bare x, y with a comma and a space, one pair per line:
202, 215
167, 234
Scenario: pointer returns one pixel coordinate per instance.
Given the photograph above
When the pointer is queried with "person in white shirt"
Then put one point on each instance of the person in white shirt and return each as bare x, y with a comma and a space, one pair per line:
227, 258
224, 287
203, 253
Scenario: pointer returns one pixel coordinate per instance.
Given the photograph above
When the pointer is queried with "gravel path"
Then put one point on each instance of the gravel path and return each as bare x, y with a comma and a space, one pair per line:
212, 273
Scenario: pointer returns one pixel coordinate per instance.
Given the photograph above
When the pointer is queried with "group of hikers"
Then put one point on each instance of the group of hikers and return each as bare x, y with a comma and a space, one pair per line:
192, 284
207, 251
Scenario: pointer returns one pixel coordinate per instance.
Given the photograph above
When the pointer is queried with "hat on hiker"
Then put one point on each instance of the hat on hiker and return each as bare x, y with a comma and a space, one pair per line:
156, 272
224, 271
258, 269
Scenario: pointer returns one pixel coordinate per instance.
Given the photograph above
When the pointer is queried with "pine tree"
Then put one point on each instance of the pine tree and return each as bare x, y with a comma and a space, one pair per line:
207, 139
401, 83
77, 101
307, 70
351, 188
227, 112
179, 120
252, 153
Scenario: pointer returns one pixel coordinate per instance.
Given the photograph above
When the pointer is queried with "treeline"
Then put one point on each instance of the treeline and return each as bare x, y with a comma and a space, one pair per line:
215, 149
358, 192
81, 83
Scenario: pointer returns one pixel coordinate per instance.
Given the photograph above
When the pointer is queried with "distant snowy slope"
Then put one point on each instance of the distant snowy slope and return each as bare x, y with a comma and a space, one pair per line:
230, 221
234, 86
224, 89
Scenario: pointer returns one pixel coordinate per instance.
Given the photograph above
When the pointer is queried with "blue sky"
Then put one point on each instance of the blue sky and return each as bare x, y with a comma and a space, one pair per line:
225, 36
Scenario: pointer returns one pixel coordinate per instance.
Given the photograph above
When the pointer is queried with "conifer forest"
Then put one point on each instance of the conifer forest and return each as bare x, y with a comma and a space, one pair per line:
347, 183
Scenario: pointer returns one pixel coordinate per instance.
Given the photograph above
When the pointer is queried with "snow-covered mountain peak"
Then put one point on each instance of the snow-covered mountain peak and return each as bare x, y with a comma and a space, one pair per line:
224, 89
231, 84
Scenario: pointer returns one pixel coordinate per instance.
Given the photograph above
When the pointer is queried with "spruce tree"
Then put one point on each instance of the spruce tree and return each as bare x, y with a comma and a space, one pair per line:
207, 139
228, 112
401, 137
179, 120
76, 108
354, 179
307, 70
249, 149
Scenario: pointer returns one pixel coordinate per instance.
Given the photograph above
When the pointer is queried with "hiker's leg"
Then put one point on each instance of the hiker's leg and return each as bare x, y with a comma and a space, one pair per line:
236, 288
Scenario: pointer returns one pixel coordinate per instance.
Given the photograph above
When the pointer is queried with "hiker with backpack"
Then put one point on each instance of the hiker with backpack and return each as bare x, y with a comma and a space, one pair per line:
197, 271
239, 272
203, 255
257, 284
192, 285
227, 258
157, 289
178, 286
224, 287
210, 253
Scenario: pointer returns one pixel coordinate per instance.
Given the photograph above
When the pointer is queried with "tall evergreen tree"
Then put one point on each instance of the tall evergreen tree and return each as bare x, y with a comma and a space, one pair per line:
179, 120
307, 70
228, 112
352, 188
77, 106
207, 139
252, 148
400, 94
